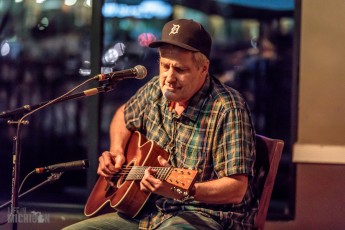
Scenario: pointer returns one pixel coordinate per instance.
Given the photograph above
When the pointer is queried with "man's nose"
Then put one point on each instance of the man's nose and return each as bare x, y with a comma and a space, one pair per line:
171, 75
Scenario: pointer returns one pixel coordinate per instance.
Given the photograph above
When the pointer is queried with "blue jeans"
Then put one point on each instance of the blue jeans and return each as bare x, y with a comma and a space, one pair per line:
184, 220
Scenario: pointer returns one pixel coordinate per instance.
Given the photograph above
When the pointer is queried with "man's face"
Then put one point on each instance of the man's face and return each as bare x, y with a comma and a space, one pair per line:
180, 77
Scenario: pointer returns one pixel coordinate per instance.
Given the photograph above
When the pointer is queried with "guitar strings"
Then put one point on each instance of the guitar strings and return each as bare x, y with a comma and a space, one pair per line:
136, 172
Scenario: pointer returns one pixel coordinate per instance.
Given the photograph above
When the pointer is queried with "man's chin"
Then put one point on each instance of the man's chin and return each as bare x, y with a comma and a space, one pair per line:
168, 95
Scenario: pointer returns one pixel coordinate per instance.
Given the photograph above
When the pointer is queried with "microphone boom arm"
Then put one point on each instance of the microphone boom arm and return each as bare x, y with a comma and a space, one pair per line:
106, 87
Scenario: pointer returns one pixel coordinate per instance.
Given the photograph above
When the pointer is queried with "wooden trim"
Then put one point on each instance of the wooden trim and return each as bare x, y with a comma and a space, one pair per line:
313, 153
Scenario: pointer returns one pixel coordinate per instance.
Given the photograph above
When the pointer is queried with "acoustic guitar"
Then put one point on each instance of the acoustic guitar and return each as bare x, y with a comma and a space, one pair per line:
122, 192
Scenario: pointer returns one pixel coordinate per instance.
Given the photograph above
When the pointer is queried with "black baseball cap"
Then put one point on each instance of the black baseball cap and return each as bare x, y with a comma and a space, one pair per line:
187, 34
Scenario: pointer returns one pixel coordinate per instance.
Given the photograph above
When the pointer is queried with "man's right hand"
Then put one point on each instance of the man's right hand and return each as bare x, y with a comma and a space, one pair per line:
110, 163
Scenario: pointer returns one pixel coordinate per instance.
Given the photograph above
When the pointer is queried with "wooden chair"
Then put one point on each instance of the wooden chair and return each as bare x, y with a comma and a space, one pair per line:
268, 155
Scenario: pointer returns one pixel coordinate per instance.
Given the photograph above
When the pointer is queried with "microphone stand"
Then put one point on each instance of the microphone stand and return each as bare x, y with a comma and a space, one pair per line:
108, 86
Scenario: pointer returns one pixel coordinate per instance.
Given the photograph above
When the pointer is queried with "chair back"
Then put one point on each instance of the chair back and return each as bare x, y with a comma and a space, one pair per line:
268, 155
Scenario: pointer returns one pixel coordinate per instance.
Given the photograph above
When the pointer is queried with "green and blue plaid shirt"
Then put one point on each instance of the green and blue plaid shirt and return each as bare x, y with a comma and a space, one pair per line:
213, 135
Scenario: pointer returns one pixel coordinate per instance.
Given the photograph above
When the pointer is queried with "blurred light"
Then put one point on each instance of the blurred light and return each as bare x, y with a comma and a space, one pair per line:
254, 43
87, 3
85, 69
263, 4
40, 1
146, 9
113, 53
145, 39
111, 56
70, 2
43, 23
5, 48
17, 1
106, 70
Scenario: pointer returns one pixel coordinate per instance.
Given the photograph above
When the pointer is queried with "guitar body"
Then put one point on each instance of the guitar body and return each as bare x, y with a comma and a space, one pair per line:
126, 196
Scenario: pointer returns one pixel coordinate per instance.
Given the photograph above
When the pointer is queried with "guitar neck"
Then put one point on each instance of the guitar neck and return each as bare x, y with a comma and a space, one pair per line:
179, 178
137, 172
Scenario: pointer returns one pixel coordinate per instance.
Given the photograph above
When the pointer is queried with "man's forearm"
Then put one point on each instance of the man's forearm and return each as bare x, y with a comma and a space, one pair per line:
119, 134
222, 191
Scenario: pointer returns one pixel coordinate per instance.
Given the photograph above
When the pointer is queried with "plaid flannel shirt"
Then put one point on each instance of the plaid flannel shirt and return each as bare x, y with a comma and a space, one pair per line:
213, 135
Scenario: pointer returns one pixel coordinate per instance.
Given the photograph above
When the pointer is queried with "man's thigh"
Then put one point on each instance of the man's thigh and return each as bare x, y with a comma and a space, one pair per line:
109, 221
190, 220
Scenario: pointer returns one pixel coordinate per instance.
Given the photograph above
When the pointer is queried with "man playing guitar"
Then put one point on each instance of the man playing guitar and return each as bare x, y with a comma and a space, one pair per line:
203, 125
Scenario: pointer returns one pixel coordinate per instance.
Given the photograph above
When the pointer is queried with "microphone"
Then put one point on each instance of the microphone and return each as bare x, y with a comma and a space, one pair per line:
62, 167
138, 72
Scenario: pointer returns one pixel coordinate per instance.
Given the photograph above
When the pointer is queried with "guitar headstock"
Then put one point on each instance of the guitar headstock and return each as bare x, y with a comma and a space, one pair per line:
182, 178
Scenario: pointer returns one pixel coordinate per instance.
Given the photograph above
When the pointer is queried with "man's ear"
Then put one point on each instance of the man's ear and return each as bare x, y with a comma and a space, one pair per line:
205, 67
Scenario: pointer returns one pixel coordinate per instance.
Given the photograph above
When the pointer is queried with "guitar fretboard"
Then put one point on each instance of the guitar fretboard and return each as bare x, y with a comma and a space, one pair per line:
137, 172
